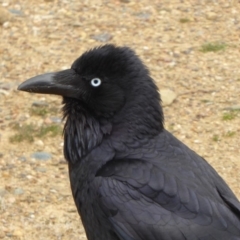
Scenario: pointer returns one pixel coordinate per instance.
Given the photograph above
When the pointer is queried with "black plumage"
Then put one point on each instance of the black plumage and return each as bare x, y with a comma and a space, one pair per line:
131, 179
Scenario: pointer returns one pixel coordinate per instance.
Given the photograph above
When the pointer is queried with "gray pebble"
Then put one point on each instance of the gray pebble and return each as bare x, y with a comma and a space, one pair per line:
16, 12
39, 104
102, 37
56, 119
234, 107
18, 191
41, 155
8, 117
40, 169
5, 86
22, 158
2, 192
143, 15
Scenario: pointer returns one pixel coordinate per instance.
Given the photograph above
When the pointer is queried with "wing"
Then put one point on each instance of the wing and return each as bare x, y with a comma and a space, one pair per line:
167, 196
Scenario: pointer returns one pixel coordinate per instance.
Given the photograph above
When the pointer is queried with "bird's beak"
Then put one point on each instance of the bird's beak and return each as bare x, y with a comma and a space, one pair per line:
59, 83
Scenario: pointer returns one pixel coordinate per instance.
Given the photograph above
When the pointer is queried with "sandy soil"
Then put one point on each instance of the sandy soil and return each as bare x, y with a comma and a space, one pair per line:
170, 36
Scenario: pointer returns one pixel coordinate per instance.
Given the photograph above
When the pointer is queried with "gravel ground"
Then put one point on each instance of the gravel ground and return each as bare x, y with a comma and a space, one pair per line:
191, 48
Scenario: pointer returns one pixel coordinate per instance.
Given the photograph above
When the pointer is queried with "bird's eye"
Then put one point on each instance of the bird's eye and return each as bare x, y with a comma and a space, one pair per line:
96, 82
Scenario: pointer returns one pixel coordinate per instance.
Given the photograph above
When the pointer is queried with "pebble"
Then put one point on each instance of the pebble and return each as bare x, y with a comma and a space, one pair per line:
41, 169
11, 200
41, 156
62, 161
102, 37
17, 233
39, 143
48, 120
218, 78
18, 191
16, 12
39, 104
4, 92
2, 234
2, 192
6, 86
167, 96
5, 174
56, 119
211, 16
5, 16
188, 51
143, 15
233, 107
22, 158
8, 117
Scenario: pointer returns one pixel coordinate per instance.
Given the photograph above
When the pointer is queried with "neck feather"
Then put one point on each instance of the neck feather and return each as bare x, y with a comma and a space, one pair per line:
82, 131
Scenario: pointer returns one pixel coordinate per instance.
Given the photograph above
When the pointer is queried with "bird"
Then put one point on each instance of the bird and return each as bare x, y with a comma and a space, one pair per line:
131, 179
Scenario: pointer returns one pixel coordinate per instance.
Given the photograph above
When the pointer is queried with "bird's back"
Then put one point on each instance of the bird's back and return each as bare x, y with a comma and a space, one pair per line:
164, 190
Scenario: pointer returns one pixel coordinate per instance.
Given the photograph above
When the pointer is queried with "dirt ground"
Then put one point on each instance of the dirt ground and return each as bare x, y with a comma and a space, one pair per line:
191, 47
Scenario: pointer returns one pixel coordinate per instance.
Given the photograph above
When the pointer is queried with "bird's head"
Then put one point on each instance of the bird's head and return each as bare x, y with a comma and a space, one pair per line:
106, 80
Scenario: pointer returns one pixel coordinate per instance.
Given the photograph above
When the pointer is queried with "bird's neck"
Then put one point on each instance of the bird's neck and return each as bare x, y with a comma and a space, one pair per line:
82, 132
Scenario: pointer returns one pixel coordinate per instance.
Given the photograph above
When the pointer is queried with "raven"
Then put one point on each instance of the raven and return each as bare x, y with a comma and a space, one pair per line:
130, 178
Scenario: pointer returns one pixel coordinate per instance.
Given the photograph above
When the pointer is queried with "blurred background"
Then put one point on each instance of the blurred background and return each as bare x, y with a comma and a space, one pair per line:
192, 49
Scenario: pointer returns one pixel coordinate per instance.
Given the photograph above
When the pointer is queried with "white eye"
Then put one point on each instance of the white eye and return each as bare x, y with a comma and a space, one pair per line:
96, 82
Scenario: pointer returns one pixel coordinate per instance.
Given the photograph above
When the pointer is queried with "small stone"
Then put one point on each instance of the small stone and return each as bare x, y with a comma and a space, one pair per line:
39, 104
18, 191
5, 174
62, 161
41, 156
1, 155
22, 158
2, 234
8, 117
5, 16
143, 15
41, 169
17, 233
102, 37
48, 120
6, 24
39, 143
16, 12
5, 86
187, 51
218, 78
9, 235
211, 16
4, 92
11, 200
22, 175
3, 191
167, 96
233, 107
56, 119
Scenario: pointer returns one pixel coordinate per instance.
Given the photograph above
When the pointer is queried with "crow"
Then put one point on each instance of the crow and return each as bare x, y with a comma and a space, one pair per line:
130, 178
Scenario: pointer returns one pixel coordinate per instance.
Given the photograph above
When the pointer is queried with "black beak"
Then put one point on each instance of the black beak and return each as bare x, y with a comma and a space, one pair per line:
62, 83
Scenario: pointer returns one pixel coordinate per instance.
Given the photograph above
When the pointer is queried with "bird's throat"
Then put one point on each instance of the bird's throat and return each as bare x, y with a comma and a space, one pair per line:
82, 133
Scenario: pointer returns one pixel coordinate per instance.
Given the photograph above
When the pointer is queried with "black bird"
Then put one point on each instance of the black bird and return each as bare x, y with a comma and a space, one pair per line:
130, 178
